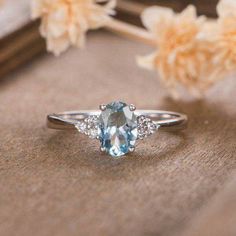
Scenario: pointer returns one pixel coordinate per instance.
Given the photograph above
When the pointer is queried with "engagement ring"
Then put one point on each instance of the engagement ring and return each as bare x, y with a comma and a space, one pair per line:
117, 125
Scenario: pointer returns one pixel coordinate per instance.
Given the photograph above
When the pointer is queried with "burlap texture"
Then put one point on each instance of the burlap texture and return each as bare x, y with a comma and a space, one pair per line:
58, 183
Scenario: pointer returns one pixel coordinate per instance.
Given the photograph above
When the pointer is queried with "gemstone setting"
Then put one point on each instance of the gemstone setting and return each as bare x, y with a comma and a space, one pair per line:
118, 130
117, 126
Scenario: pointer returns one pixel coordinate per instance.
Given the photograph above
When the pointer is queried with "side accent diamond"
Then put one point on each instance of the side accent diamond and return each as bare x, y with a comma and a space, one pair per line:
146, 127
89, 126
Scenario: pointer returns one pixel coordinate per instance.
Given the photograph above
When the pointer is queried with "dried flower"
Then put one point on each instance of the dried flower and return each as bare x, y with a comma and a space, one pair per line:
225, 36
65, 22
183, 57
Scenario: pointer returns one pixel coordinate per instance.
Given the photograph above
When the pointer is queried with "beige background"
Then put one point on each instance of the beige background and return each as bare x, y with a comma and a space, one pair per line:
57, 183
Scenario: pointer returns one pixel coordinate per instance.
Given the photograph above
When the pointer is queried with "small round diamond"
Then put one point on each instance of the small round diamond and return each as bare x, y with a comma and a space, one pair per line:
81, 126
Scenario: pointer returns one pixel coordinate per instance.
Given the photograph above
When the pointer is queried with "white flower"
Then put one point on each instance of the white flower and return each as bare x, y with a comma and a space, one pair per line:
225, 37
183, 57
226, 8
65, 22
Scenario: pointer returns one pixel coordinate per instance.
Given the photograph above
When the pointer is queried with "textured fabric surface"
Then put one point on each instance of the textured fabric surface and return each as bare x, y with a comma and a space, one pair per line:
58, 183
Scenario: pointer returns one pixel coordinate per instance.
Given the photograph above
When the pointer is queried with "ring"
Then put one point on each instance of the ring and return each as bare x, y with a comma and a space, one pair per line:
117, 125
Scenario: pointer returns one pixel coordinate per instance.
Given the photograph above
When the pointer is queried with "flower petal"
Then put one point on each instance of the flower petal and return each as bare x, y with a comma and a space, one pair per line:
226, 8
65, 22
155, 17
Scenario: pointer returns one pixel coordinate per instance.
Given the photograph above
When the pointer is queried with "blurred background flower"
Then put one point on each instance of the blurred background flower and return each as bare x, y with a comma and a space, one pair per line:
182, 57
65, 22
226, 36
190, 52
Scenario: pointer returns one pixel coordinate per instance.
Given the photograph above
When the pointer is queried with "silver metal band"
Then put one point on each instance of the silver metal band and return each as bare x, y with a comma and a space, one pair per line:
167, 120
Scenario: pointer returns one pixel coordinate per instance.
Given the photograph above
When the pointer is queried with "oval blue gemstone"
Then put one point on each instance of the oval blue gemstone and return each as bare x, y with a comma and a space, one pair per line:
118, 129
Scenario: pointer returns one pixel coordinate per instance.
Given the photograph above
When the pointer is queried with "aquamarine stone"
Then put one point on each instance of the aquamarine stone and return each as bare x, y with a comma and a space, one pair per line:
118, 129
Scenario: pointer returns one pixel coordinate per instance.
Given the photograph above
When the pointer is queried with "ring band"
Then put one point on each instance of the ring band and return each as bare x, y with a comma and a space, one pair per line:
167, 120
117, 125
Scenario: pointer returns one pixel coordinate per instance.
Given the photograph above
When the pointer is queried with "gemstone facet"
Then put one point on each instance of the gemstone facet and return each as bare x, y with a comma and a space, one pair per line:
118, 129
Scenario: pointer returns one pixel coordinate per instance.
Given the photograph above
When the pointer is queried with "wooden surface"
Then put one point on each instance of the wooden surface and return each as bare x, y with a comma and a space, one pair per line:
58, 183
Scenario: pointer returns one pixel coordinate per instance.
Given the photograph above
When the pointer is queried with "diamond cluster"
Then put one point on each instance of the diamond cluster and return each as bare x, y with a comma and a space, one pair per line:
90, 126
146, 127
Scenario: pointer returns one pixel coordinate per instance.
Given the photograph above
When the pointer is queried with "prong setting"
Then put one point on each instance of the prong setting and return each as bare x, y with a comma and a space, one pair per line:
132, 149
102, 149
102, 107
132, 107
